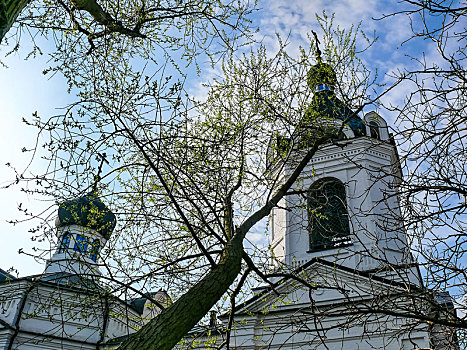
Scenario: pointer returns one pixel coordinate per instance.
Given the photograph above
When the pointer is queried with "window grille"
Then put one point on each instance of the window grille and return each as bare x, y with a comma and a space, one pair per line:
374, 130
81, 244
328, 219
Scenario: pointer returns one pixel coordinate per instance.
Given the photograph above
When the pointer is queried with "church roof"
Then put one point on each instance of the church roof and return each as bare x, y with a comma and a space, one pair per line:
70, 280
66, 281
88, 211
63, 279
259, 296
5, 276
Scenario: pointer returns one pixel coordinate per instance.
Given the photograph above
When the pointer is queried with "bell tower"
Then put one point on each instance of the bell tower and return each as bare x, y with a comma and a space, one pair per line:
344, 208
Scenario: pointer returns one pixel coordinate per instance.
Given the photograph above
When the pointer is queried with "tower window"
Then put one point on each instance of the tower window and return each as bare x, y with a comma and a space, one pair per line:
374, 130
65, 243
95, 247
328, 220
81, 244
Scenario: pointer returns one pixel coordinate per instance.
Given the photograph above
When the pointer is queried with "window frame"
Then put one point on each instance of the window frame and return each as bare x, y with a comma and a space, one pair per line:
64, 242
325, 235
374, 130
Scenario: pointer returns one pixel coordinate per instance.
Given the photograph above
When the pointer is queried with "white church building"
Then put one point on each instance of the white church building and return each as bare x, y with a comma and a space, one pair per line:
66, 307
344, 276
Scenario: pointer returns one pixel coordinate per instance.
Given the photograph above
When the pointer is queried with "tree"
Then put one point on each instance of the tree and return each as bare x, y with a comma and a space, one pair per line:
197, 177
193, 25
431, 135
199, 182
89, 38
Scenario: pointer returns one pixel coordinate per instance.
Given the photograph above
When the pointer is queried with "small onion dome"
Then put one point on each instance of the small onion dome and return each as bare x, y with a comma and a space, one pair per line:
88, 211
325, 105
321, 77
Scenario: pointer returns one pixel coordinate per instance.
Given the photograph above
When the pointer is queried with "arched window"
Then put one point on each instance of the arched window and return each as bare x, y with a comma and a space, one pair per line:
65, 243
374, 130
81, 244
328, 220
95, 247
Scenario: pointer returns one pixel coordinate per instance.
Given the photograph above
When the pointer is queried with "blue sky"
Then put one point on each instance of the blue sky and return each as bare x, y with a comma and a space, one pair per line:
25, 90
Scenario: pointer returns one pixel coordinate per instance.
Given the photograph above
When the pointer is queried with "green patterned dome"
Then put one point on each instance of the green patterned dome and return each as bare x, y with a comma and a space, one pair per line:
325, 105
321, 73
88, 211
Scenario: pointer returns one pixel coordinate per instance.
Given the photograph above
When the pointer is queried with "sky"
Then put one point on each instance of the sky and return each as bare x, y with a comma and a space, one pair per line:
24, 90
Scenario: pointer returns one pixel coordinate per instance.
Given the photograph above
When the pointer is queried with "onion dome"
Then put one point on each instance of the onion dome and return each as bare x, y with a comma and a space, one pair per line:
325, 105
88, 211
321, 76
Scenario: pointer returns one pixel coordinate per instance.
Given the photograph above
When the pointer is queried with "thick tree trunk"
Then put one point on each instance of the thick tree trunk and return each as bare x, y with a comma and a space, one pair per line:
9, 12
166, 330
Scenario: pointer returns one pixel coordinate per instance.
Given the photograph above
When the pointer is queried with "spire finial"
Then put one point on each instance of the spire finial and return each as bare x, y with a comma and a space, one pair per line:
321, 76
97, 177
318, 51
